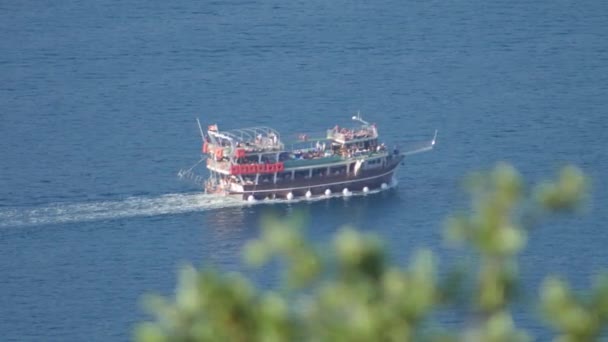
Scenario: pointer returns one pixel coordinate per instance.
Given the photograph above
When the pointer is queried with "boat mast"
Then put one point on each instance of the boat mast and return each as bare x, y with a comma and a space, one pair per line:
200, 128
358, 118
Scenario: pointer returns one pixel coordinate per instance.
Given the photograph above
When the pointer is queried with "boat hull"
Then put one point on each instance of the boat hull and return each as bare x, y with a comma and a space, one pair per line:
372, 179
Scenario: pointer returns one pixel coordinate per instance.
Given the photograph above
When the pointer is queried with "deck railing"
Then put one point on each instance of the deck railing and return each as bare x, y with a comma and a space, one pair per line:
218, 165
352, 134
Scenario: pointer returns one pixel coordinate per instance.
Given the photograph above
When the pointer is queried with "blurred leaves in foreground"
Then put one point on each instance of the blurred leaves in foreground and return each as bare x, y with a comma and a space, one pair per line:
348, 291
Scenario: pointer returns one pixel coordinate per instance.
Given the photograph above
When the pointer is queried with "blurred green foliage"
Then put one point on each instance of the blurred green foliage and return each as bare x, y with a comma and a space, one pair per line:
350, 292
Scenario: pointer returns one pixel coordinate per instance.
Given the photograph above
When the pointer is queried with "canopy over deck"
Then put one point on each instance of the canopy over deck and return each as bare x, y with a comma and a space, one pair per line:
259, 137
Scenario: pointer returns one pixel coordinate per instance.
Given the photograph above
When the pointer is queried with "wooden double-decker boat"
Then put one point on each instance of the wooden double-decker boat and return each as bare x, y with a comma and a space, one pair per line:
253, 163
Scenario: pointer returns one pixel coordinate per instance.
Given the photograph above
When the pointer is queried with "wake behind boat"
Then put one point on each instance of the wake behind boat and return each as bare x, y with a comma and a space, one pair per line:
253, 163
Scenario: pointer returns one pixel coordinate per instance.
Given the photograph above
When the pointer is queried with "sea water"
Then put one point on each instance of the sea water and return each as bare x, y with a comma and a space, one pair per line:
99, 100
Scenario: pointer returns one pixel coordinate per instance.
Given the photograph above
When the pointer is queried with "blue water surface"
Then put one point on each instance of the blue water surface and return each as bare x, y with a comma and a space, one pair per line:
98, 106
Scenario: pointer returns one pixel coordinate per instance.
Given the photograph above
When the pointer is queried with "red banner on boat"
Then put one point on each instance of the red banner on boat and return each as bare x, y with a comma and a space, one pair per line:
235, 169
243, 169
240, 152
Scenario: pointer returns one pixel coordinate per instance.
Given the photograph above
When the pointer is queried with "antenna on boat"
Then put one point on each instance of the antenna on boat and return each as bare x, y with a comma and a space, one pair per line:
200, 128
358, 118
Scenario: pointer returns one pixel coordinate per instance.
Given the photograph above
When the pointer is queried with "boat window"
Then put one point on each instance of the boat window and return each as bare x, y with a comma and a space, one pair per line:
269, 158
283, 176
337, 170
319, 172
301, 174
251, 159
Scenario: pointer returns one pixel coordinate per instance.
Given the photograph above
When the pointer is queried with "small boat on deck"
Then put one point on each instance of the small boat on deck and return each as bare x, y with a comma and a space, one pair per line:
254, 164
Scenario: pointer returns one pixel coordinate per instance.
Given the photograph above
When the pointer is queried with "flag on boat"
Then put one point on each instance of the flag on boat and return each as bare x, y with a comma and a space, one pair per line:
212, 128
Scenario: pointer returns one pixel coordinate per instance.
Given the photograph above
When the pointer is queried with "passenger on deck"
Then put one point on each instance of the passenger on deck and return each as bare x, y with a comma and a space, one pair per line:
274, 138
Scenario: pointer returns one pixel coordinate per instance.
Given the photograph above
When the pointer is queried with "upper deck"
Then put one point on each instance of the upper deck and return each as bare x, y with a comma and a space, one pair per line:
251, 139
345, 135
262, 144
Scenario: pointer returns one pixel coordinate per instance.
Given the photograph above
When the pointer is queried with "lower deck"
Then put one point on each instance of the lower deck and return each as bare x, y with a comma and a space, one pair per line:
369, 179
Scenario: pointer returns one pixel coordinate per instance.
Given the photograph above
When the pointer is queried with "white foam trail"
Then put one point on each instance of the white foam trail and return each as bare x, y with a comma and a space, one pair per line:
56, 213
104, 210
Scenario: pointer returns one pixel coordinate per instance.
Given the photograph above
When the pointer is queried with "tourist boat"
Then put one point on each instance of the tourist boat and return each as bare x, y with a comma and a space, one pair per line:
254, 163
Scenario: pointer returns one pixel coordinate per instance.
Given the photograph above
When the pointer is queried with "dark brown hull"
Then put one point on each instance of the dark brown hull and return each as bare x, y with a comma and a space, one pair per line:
372, 179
